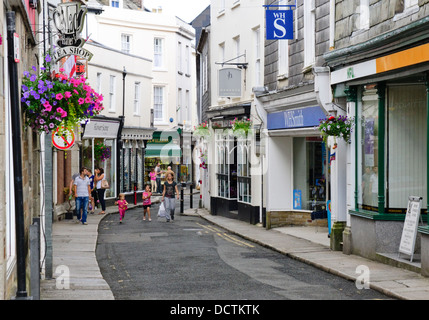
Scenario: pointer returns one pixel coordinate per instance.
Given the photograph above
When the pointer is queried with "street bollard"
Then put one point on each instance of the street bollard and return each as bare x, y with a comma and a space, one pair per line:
181, 197
191, 198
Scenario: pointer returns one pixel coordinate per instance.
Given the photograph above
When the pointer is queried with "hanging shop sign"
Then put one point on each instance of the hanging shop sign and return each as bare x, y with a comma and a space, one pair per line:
279, 23
100, 128
230, 82
63, 141
68, 20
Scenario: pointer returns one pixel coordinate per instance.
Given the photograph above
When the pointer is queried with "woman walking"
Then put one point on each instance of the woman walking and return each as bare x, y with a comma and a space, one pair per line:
170, 190
99, 176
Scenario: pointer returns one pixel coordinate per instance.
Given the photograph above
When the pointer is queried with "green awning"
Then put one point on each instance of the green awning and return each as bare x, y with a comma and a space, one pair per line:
163, 150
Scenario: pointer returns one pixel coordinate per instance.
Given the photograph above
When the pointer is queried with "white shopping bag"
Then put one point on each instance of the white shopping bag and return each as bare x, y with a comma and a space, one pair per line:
162, 212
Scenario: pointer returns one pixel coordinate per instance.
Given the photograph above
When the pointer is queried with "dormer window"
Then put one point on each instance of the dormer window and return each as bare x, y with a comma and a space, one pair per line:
114, 3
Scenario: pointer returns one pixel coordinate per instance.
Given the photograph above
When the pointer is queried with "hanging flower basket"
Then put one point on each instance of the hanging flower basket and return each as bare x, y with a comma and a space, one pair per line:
101, 151
240, 128
53, 100
340, 127
202, 130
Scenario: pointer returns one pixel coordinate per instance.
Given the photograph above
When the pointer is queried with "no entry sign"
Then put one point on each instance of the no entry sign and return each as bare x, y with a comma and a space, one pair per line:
63, 140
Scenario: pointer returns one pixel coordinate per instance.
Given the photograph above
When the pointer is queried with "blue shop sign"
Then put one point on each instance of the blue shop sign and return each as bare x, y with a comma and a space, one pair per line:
295, 118
279, 24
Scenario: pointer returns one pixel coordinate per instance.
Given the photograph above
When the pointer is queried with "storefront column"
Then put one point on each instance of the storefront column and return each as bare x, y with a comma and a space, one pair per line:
351, 93
427, 139
381, 91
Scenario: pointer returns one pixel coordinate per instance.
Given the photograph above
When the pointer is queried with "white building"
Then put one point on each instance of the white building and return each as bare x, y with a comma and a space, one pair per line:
236, 52
168, 42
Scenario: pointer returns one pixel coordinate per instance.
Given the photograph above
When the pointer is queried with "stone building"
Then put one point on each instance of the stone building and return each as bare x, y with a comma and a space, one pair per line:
15, 252
296, 94
379, 67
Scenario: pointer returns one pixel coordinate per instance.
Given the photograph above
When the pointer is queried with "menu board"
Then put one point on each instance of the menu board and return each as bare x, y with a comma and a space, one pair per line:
409, 232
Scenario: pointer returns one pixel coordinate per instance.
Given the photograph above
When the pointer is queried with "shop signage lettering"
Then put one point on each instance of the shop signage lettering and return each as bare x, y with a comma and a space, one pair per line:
230, 82
68, 19
279, 24
101, 129
295, 118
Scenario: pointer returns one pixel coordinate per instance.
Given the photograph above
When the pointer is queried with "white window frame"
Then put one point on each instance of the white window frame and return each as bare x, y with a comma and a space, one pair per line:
243, 171
99, 74
158, 53
115, 1
257, 39
364, 15
112, 94
221, 6
205, 73
310, 34
179, 110
187, 108
159, 104
410, 7
179, 57
187, 58
137, 98
126, 43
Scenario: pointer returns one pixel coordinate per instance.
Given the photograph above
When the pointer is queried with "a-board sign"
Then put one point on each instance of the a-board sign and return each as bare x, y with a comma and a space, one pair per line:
409, 232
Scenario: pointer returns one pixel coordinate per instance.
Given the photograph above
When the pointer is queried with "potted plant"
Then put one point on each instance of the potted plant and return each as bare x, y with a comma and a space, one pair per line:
69, 212
336, 127
52, 100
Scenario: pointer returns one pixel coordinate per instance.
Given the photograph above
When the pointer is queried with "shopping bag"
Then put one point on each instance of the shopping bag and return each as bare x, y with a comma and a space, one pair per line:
161, 211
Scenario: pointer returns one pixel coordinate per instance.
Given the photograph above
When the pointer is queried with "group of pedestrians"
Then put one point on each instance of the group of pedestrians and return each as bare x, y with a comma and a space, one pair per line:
87, 190
169, 192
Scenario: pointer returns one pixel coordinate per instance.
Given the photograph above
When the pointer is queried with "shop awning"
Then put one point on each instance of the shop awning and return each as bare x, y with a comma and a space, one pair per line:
163, 150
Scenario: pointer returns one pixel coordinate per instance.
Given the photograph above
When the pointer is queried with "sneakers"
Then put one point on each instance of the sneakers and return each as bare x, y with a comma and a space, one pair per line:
85, 223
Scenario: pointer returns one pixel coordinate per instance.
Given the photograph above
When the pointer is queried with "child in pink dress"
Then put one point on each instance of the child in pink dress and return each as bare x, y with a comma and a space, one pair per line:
146, 202
122, 206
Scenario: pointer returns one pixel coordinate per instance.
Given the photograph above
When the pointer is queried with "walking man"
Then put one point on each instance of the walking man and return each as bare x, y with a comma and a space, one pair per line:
158, 177
82, 191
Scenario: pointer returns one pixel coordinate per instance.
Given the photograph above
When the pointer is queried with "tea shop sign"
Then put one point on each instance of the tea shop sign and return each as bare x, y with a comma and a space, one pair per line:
68, 19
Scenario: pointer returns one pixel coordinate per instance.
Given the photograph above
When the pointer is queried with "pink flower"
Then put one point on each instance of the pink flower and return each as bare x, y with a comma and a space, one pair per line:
67, 94
88, 100
75, 91
59, 96
62, 70
81, 100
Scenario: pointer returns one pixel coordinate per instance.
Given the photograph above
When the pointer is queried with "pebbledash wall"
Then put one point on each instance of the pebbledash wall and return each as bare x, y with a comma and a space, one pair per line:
380, 75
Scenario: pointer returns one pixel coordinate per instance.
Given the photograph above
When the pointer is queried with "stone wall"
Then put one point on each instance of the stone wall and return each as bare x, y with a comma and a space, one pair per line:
277, 219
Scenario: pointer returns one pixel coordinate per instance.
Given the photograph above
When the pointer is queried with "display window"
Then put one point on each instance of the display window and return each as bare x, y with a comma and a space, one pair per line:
309, 173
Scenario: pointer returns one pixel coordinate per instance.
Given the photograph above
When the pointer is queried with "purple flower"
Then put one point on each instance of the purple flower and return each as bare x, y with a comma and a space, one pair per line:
48, 58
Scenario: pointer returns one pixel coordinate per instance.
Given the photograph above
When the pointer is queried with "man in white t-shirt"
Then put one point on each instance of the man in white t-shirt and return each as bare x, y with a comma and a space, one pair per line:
82, 192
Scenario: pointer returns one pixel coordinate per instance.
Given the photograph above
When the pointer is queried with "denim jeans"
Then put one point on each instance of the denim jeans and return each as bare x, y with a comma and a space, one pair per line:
82, 203
158, 184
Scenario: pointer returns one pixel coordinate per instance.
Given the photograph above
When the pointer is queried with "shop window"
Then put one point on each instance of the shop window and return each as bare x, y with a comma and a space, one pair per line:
309, 173
226, 166
368, 157
243, 171
406, 144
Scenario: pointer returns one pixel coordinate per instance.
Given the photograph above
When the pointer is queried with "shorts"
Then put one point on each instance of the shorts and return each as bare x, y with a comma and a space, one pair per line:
145, 206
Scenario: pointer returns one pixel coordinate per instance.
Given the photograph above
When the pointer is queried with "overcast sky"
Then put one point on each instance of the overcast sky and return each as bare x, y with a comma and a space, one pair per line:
186, 10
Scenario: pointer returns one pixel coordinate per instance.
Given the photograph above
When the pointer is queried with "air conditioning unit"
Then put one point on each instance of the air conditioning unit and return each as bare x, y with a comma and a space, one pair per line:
33, 4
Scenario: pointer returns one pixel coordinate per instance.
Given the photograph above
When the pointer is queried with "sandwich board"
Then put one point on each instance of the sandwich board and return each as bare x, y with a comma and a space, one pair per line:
409, 232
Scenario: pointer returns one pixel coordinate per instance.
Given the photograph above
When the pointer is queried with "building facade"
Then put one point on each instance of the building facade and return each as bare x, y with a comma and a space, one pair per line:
14, 261
295, 96
379, 67
236, 68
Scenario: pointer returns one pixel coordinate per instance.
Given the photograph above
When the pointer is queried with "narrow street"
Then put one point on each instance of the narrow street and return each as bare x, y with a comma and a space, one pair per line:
191, 259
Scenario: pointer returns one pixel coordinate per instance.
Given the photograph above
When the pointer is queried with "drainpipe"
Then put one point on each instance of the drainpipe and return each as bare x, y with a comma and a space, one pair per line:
21, 292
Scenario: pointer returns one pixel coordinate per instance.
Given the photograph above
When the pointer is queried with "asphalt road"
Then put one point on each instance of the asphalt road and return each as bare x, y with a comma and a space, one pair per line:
191, 259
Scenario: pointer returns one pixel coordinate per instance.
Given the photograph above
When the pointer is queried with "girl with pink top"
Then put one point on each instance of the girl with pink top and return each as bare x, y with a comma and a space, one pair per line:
122, 206
152, 175
146, 202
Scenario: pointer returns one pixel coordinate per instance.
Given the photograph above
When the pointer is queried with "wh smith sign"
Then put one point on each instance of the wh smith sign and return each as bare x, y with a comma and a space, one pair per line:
279, 24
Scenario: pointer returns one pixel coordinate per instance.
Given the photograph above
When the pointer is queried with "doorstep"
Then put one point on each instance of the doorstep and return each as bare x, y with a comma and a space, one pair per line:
402, 261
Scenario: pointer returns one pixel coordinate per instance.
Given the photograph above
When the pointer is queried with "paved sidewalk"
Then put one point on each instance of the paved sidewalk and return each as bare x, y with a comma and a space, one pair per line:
306, 245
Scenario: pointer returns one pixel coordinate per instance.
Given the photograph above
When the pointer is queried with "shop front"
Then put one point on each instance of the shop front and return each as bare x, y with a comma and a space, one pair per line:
164, 148
389, 97
298, 168
132, 166
99, 146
